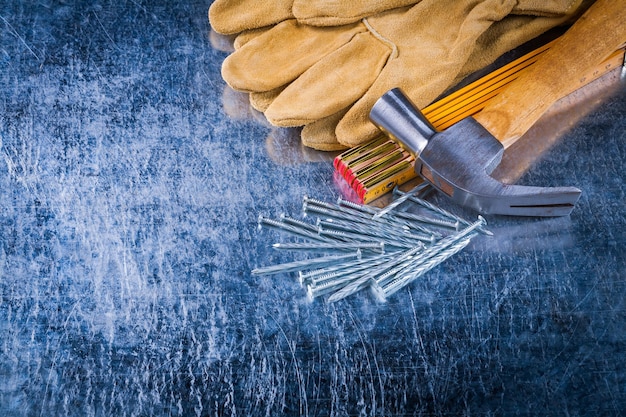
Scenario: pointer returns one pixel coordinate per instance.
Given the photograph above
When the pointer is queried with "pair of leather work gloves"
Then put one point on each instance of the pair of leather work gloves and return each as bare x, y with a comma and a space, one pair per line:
322, 64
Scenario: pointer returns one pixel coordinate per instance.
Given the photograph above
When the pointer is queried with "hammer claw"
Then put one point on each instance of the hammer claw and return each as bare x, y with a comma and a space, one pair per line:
529, 201
541, 211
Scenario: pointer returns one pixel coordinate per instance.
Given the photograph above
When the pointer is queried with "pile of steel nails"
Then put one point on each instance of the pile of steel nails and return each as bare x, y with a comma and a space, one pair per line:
359, 246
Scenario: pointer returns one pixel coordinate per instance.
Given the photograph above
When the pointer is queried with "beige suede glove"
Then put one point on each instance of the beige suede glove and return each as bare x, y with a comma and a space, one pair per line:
421, 49
500, 38
234, 16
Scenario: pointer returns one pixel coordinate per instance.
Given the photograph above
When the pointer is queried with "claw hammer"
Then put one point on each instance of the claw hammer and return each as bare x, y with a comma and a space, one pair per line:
459, 160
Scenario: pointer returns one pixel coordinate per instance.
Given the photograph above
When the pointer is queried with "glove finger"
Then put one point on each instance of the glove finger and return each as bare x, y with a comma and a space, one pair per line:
234, 16
320, 134
261, 101
332, 12
246, 36
332, 84
281, 54
547, 8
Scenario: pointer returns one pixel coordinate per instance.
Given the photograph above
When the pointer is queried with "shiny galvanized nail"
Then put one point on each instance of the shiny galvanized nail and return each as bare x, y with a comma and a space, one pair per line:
449, 240
396, 260
424, 220
434, 250
432, 256
358, 207
396, 215
298, 223
393, 237
294, 230
405, 219
306, 200
345, 267
332, 246
389, 267
333, 282
438, 210
325, 284
335, 278
390, 244
382, 230
406, 268
308, 208
350, 288
304, 264
355, 271
391, 206
330, 209
362, 280
383, 290
314, 292
402, 217
336, 212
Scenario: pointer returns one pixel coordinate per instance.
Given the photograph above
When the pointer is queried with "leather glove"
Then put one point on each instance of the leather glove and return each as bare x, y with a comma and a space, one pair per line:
234, 16
421, 49
500, 38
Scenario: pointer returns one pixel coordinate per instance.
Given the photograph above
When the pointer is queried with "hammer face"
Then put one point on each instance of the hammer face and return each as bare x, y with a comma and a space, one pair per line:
458, 162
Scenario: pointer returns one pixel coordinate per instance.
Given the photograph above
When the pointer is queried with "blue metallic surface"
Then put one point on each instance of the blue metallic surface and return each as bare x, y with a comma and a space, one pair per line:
131, 181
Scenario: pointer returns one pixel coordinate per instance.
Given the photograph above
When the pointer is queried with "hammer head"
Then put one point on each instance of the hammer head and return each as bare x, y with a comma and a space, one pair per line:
459, 161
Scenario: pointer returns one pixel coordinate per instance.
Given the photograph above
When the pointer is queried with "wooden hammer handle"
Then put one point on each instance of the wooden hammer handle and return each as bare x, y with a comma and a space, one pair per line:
600, 31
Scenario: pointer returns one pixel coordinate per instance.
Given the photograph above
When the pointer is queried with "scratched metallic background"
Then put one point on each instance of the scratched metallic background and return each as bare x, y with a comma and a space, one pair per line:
130, 184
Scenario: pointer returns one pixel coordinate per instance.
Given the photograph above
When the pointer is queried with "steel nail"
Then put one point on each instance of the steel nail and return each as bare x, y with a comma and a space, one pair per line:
438, 210
307, 208
384, 290
369, 232
294, 230
383, 227
346, 266
430, 255
359, 282
331, 246
358, 207
406, 219
332, 282
425, 220
356, 270
314, 292
298, 223
400, 200
356, 237
304, 264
